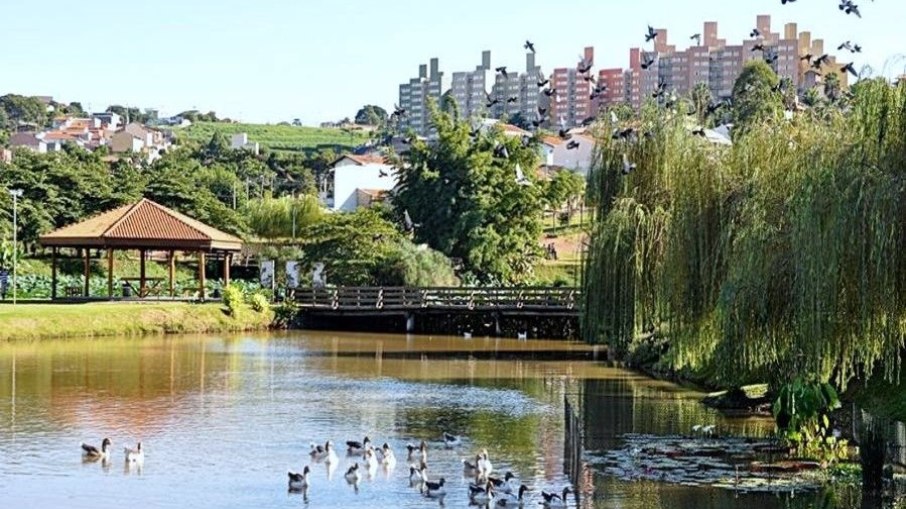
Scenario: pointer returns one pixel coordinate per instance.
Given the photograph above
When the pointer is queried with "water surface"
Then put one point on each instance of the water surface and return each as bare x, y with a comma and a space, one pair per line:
222, 419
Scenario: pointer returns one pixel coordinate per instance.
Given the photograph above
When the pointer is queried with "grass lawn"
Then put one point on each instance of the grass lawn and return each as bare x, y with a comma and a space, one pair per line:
44, 321
276, 137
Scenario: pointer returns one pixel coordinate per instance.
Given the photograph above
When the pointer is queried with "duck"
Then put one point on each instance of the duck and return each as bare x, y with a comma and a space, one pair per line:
330, 455
467, 335
418, 453
418, 474
451, 441
513, 500
484, 464
522, 336
479, 495
503, 485
297, 481
352, 475
371, 462
435, 489
358, 448
389, 459
90, 452
317, 452
555, 500
134, 455
469, 468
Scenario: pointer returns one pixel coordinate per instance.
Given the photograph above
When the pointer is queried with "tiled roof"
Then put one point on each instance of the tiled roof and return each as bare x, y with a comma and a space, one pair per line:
553, 141
145, 224
367, 159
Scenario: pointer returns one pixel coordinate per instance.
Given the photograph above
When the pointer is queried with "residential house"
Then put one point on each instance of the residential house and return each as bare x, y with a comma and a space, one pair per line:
125, 142
359, 181
135, 138
29, 141
110, 119
579, 159
241, 142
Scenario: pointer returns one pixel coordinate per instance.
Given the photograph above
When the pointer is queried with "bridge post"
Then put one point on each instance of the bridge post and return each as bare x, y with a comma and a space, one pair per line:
410, 322
497, 330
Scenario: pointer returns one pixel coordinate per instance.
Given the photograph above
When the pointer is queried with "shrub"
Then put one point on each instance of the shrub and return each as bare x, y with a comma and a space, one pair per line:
233, 299
259, 303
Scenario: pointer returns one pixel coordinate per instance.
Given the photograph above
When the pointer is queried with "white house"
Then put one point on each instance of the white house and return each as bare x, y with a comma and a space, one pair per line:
358, 180
577, 159
240, 141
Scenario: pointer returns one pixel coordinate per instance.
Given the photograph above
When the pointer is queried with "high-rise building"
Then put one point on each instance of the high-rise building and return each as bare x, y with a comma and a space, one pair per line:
469, 89
612, 83
517, 93
572, 103
414, 97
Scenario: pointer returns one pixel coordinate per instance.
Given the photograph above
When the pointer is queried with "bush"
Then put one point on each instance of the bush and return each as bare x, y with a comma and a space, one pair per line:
259, 303
233, 300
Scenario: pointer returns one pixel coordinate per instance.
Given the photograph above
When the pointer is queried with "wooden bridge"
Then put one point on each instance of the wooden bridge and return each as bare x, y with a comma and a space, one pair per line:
439, 310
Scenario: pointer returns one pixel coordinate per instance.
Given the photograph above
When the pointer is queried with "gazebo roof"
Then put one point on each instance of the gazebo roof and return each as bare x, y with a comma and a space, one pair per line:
142, 225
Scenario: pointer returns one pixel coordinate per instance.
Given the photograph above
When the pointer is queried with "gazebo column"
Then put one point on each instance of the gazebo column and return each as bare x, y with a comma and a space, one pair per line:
227, 261
201, 275
53, 274
87, 271
172, 270
141, 274
110, 273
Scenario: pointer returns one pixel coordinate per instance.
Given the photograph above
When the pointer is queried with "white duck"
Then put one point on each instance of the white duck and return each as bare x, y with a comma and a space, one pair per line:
92, 453
136, 455
513, 500
297, 481
555, 500
389, 459
451, 441
484, 464
371, 462
330, 455
419, 453
522, 336
418, 474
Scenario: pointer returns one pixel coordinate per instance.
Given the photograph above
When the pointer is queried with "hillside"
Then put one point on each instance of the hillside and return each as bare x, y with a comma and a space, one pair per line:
277, 137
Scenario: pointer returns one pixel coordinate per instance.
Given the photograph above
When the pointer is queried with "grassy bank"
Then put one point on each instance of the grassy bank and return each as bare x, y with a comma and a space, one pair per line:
276, 137
45, 321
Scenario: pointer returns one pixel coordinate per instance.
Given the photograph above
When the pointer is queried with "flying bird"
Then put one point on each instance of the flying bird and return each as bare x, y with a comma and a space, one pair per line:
501, 152
784, 2
529, 46
584, 66
820, 61
697, 38
502, 71
513, 99
755, 33
651, 35
399, 112
543, 83
572, 145
521, 179
491, 100
807, 57
550, 92
850, 7
848, 68
648, 60
758, 47
542, 111
627, 166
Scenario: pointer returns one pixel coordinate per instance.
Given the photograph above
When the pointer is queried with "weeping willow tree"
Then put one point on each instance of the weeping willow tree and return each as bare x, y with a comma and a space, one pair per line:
781, 256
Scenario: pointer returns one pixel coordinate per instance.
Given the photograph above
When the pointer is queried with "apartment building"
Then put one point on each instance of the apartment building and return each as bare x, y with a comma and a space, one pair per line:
572, 104
414, 97
469, 89
517, 93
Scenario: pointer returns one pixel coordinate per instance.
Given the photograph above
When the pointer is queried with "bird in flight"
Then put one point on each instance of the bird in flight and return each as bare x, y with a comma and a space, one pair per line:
758, 47
572, 145
512, 100
550, 92
849, 68
521, 179
584, 66
651, 35
543, 83
697, 38
502, 71
820, 61
850, 7
529, 46
647, 60
755, 33
491, 100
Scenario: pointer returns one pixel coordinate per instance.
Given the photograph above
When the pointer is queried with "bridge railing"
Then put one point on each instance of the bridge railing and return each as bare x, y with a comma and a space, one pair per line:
408, 298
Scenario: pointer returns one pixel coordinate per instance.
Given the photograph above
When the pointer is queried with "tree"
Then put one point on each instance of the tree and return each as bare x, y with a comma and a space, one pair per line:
23, 110
563, 189
701, 101
788, 91
371, 115
832, 87
464, 195
755, 100
811, 97
217, 146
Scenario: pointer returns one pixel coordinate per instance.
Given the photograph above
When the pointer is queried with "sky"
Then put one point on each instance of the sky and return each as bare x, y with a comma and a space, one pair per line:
320, 60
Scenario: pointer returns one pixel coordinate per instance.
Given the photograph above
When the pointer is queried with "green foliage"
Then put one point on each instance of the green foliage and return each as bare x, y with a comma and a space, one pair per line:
276, 138
21, 109
217, 145
275, 218
701, 100
131, 114
801, 412
468, 202
371, 115
754, 99
259, 303
195, 116
564, 187
781, 256
234, 300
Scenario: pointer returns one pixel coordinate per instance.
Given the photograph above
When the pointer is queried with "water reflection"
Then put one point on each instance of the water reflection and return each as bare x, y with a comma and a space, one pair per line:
224, 419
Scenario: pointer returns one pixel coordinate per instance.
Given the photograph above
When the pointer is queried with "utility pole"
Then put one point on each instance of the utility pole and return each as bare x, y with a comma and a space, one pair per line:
15, 193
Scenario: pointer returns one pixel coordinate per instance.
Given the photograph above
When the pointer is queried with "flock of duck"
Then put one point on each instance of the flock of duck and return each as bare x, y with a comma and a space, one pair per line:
485, 490
103, 453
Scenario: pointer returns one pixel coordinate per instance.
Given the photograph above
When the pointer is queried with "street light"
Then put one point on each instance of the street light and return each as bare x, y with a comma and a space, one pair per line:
16, 194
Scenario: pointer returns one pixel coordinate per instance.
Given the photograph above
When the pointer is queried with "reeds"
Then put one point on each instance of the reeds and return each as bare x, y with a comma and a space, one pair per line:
783, 255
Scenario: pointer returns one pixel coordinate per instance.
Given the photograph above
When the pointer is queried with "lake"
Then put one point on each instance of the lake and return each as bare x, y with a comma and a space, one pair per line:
223, 418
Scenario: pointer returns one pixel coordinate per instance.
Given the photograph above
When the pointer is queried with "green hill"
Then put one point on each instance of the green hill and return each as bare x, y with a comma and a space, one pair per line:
277, 137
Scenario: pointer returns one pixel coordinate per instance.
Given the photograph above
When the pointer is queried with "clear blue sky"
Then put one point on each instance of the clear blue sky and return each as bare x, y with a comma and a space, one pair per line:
273, 60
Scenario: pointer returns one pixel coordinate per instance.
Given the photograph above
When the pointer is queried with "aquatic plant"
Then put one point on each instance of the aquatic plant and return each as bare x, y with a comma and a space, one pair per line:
782, 255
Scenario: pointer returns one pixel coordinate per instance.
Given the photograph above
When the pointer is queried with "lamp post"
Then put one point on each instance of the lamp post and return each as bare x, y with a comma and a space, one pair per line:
15, 193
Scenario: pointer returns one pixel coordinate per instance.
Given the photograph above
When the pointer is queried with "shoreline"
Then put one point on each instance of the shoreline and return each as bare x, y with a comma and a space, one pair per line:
31, 322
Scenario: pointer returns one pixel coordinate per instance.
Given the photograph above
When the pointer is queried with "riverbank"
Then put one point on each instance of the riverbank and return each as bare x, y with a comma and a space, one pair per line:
27, 322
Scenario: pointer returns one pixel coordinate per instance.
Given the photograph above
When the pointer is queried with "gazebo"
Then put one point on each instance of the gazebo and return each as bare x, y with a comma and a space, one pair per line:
143, 226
